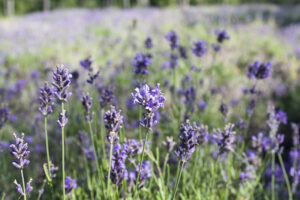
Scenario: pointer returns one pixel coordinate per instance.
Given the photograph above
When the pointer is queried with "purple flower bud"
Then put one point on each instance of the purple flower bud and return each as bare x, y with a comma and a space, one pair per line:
225, 139
62, 119
173, 39
20, 152
62, 80
46, 100
141, 62
222, 36
87, 104
148, 43
113, 123
87, 63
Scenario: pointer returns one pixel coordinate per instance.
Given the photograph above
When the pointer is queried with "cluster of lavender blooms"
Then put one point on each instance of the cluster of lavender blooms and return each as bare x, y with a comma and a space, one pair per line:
199, 48
221, 35
61, 82
259, 70
151, 100
113, 123
190, 136
70, 184
46, 100
148, 43
132, 147
106, 96
172, 37
225, 139
87, 104
20, 151
118, 167
141, 63
252, 162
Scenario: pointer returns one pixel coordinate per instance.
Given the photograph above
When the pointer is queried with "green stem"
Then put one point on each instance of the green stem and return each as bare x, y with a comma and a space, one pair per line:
47, 147
95, 149
109, 166
141, 162
286, 178
23, 182
63, 154
273, 177
178, 180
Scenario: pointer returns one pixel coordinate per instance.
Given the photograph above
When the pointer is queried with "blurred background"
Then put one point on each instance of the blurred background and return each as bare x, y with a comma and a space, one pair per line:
11, 7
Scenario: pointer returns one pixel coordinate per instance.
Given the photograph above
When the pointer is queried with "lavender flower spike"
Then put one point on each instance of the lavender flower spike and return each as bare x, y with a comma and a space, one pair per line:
70, 184
113, 123
46, 100
20, 152
118, 168
62, 80
87, 104
28, 187
225, 139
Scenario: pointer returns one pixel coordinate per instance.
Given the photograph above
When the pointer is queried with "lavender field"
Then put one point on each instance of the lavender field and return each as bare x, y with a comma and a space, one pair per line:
150, 103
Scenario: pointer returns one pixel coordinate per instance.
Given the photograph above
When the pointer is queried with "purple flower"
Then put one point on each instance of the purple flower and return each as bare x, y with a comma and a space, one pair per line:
113, 123
118, 167
62, 119
4, 115
145, 173
93, 77
182, 52
20, 151
148, 43
87, 104
199, 48
62, 80
150, 99
188, 141
190, 97
173, 39
216, 47
20, 189
70, 184
222, 36
251, 106
202, 105
259, 70
225, 139
46, 100
87, 63
281, 116
141, 63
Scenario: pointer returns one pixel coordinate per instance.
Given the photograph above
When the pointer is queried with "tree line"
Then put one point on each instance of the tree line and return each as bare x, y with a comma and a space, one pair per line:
11, 7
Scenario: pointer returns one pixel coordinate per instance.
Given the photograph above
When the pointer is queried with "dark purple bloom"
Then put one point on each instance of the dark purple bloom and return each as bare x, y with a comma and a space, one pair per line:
70, 184
173, 39
93, 77
223, 109
222, 36
141, 63
118, 167
46, 100
87, 104
225, 139
190, 98
188, 141
216, 47
20, 151
148, 43
113, 123
259, 70
87, 63
182, 52
4, 115
62, 80
199, 48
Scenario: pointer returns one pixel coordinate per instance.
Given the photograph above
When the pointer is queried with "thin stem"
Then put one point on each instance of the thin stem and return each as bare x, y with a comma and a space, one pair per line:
47, 146
23, 182
140, 127
95, 149
63, 153
109, 166
286, 178
141, 162
178, 180
273, 177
